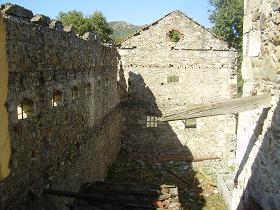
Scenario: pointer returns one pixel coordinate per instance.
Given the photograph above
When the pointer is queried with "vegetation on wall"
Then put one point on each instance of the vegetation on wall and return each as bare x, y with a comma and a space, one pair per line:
174, 36
227, 17
82, 23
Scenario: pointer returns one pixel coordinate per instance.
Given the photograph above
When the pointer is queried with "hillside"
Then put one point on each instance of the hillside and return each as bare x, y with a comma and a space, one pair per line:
123, 30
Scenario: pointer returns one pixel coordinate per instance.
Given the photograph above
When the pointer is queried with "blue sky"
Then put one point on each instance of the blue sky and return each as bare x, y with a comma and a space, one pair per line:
137, 12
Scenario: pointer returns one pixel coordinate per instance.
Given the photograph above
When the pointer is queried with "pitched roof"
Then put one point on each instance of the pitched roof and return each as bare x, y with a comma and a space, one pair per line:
146, 27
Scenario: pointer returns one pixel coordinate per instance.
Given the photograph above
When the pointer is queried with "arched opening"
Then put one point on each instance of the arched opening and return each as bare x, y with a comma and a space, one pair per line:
56, 98
75, 93
88, 88
25, 109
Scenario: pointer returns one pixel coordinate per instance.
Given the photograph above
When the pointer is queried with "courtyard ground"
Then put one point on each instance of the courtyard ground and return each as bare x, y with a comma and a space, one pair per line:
196, 181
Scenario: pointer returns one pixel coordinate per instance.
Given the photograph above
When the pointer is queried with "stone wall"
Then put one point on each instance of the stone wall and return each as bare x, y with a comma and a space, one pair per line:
67, 88
163, 75
258, 142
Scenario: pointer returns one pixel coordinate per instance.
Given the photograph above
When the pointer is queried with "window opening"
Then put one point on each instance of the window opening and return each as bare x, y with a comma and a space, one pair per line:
190, 123
88, 89
57, 99
75, 92
152, 122
25, 109
172, 79
174, 35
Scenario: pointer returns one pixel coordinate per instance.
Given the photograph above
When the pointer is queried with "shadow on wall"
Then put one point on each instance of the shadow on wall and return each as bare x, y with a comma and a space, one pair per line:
262, 190
156, 144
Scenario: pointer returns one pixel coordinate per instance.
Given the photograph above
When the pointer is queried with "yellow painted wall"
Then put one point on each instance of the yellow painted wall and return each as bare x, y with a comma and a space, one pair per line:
5, 149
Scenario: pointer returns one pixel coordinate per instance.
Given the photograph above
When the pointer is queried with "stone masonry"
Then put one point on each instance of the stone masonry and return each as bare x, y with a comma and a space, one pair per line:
257, 179
61, 106
162, 75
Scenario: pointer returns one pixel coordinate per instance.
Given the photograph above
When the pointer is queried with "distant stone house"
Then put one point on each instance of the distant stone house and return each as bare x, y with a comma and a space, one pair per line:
168, 64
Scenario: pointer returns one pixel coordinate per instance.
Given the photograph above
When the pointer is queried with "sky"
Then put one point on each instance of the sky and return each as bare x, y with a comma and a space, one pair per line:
137, 12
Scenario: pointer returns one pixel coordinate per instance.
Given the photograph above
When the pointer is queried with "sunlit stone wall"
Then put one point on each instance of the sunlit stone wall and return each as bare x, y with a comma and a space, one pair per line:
258, 140
163, 75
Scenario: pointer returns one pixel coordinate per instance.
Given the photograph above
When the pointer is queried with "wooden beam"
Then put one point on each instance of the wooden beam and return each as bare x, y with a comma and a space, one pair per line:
231, 106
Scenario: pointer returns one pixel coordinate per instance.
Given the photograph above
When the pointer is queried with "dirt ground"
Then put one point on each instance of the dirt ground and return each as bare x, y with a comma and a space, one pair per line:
196, 181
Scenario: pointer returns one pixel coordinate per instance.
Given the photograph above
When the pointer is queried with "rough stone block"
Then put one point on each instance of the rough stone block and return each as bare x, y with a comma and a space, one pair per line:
16, 10
275, 5
254, 47
56, 25
41, 20
91, 36
69, 29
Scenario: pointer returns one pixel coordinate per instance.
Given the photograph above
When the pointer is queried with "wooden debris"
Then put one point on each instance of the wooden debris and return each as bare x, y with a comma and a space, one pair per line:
159, 158
105, 196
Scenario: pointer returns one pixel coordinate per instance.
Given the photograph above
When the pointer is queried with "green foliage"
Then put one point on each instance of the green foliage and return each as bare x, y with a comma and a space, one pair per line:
82, 23
174, 36
101, 26
227, 17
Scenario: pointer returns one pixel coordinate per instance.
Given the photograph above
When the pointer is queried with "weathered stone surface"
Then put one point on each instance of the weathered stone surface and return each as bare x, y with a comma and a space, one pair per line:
16, 10
257, 155
41, 20
91, 36
74, 140
69, 29
275, 5
56, 25
254, 47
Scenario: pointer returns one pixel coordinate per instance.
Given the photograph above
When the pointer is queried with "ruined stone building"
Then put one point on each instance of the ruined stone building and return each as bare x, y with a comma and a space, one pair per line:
68, 103
60, 113
163, 74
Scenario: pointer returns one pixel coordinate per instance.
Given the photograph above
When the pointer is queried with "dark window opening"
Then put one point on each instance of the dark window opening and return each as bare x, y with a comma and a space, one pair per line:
56, 99
75, 93
25, 109
88, 89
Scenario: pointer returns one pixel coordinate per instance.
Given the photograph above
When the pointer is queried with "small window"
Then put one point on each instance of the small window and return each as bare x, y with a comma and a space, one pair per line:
57, 99
172, 79
98, 82
152, 122
174, 35
25, 109
75, 93
106, 82
88, 89
190, 123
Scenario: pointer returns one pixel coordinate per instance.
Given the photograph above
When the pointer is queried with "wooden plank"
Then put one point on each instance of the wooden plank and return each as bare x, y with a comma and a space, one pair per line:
231, 106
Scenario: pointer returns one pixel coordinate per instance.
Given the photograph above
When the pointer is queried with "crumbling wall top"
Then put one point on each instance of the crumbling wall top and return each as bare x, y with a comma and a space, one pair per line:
14, 12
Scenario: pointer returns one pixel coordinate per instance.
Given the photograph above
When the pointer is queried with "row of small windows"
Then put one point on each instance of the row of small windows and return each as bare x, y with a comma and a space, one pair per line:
25, 108
152, 122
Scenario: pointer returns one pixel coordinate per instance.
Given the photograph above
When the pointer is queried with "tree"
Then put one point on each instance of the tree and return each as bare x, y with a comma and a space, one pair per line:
101, 26
227, 17
82, 23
